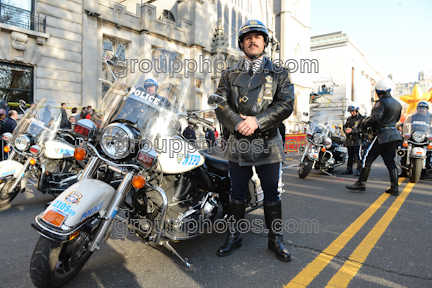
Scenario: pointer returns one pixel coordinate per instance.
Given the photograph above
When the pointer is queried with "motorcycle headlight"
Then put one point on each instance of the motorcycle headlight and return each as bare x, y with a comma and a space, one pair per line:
22, 142
327, 142
418, 136
318, 138
116, 141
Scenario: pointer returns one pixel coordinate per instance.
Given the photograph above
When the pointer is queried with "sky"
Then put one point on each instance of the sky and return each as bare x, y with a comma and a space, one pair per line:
395, 34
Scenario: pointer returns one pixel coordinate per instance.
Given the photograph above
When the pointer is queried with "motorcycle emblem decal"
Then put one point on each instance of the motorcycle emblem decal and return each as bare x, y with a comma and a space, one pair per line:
91, 211
191, 160
179, 158
73, 197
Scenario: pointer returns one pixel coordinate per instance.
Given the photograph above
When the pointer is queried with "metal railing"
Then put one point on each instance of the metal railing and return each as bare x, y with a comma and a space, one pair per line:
22, 18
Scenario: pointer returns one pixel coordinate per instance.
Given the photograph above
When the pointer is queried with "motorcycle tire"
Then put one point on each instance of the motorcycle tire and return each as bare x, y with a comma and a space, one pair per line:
54, 264
415, 170
305, 168
6, 199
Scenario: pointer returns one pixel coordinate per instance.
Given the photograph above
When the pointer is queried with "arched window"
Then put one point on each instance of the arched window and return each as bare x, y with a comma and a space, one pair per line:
167, 15
219, 9
226, 20
233, 30
239, 23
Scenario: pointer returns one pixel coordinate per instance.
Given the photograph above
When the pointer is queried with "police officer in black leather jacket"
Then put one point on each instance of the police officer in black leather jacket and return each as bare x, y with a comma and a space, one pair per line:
353, 140
259, 97
385, 114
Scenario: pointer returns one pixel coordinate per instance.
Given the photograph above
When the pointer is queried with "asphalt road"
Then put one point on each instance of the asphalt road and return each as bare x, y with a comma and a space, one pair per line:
368, 239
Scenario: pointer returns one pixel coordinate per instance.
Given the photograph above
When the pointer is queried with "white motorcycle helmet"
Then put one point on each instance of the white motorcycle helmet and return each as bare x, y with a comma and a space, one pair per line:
382, 87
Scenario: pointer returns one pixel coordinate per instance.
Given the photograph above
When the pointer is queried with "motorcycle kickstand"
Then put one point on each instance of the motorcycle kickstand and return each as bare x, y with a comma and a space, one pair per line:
328, 173
173, 251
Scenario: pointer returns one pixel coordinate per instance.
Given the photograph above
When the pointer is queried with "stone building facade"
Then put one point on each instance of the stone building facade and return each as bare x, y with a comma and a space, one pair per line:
354, 75
424, 82
62, 55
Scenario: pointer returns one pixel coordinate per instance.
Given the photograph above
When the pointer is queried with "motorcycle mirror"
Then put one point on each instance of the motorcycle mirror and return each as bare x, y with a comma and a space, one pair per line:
22, 104
215, 100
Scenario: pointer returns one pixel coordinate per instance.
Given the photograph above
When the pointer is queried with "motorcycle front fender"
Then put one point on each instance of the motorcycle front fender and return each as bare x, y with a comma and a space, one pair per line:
82, 200
418, 152
10, 167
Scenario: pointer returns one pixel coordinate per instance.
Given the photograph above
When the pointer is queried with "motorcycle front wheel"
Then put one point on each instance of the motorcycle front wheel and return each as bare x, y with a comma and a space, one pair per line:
305, 168
6, 198
415, 170
54, 264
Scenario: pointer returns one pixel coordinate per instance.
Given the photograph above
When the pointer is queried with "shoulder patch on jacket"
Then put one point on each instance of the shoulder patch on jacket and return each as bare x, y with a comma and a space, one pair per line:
377, 104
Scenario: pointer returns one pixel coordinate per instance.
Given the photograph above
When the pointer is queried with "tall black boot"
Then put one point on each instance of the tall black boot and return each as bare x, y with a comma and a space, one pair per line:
348, 171
394, 188
273, 215
361, 182
359, 167
233, 239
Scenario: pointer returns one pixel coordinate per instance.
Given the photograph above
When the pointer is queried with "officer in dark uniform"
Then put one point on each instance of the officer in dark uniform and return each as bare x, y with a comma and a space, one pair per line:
353, 139
259, 97
422, 116
384, 116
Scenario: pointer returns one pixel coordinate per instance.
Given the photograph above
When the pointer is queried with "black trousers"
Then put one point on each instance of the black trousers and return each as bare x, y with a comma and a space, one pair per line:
386, 150
353, 155
268, 174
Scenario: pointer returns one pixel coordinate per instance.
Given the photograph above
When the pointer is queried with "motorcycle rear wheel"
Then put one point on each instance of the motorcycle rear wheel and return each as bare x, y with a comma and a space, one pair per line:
54, 264
305, 168
415, 170
6, 199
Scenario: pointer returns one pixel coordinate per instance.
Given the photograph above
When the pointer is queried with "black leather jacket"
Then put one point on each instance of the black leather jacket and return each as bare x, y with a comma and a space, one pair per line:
384, 116
267, 95
354, 138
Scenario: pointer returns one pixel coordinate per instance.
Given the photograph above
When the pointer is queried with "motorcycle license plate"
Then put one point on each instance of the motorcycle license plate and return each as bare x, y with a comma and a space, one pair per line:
313, 155
145, 159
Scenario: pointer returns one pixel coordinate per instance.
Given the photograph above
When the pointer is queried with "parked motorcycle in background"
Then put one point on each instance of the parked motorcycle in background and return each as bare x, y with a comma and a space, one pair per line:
174, 189
37, 148
416, 148
323, 150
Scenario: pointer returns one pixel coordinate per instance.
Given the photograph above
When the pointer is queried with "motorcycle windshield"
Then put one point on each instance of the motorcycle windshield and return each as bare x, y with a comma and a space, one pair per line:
419, 122
148, 95
320, 123
41, 122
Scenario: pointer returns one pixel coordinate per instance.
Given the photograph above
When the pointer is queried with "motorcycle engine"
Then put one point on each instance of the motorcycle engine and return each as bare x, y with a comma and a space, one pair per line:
51, 166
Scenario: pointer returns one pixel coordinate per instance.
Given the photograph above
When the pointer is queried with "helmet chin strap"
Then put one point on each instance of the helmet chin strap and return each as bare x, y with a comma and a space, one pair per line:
254, 57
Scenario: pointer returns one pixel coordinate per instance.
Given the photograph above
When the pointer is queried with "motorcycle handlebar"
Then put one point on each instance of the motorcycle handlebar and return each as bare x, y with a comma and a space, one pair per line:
194, 119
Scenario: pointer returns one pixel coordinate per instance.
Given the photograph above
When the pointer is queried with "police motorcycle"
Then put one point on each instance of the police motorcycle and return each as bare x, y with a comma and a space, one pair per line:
38, 148
417, 145
323, 150
169, 190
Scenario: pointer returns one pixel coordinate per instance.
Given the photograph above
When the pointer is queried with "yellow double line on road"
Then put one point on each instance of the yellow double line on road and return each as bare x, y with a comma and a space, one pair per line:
352, 266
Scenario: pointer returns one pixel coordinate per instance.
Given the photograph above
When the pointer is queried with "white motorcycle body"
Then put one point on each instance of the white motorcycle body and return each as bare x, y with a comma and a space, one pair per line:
10, 167
179, 157
55, 149
82, 200
418, 152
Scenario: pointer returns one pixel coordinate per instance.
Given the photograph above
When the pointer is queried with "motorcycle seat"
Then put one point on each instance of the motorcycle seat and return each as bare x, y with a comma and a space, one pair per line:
215, 158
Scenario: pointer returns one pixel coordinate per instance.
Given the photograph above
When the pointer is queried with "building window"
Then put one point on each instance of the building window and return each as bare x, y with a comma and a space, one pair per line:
226, 21
20, 13
219, 9
167, 15
16, 82
233, 30
118, 47
239, 23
